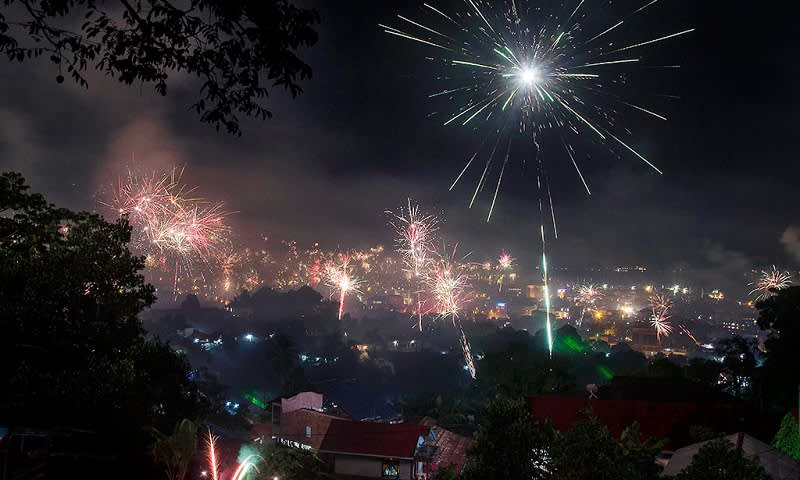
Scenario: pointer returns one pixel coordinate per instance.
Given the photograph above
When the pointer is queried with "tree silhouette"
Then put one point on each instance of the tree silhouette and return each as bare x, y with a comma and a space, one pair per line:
236, 48
72, 349
721, 460
509, 444
780, 316
175, 451
282, 356
787, 440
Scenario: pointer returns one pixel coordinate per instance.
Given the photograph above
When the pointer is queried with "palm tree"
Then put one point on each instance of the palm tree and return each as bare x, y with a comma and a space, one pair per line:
176, 450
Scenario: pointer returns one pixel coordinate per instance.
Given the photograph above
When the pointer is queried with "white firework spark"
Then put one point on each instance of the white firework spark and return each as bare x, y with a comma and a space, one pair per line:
770, 282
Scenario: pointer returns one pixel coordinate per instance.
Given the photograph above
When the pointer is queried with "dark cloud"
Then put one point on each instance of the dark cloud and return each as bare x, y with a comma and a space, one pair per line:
791, 242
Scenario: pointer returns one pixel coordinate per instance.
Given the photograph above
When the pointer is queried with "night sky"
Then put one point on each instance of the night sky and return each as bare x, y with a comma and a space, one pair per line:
360, 140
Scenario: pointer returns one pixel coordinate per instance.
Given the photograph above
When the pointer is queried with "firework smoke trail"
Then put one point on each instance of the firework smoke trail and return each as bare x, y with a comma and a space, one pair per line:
465, 347
523, 65
448, 284
414, 238
661, 306
211, 455
770, 282
689, 334
545, 279
339, 278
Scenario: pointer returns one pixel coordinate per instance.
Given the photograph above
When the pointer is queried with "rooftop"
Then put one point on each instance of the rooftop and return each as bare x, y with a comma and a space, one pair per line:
390, 440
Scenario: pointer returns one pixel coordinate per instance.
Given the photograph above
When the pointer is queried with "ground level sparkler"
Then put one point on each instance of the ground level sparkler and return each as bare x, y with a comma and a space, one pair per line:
211, 455
244, 467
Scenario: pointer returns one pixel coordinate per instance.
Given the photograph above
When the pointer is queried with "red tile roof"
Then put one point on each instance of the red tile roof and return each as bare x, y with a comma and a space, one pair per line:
452, 448
389, 440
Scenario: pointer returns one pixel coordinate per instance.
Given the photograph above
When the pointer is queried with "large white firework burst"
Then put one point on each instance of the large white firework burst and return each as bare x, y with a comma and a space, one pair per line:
537, 66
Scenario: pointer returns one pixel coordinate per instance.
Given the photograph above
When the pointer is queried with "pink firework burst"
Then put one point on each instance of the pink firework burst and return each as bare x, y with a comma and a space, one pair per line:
661, 306
448, 284
770, 282
589, 293
505, 261
414, 230
169, 222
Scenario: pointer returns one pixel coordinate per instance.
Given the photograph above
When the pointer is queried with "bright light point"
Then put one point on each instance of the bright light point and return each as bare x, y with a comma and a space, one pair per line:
530, 76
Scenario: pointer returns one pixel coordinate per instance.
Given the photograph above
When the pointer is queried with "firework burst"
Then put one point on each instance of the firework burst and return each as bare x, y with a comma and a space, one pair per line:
519, 67
448, 283
340, 279
535, 70
770, 282
661, 306
588, 294
169, 222
505, 261
504, 264
414, 231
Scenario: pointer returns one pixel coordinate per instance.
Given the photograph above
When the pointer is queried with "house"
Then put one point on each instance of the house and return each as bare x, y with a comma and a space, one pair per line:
365, 449
778, 465
664, 408
372, 449
441, 449
353, 449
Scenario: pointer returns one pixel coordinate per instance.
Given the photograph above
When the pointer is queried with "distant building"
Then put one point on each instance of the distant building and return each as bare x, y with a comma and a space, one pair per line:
645, 340
499, 312
386, 303
744, 327
536, 292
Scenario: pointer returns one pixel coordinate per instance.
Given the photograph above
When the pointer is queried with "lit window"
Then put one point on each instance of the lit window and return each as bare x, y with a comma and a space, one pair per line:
308, 431
390, 470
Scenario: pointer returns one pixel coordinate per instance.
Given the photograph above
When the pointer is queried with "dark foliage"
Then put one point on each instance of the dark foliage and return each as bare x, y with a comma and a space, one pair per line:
72, 350
288, 463
588, 451
780, 316
236, 49
721, 460
509, 444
